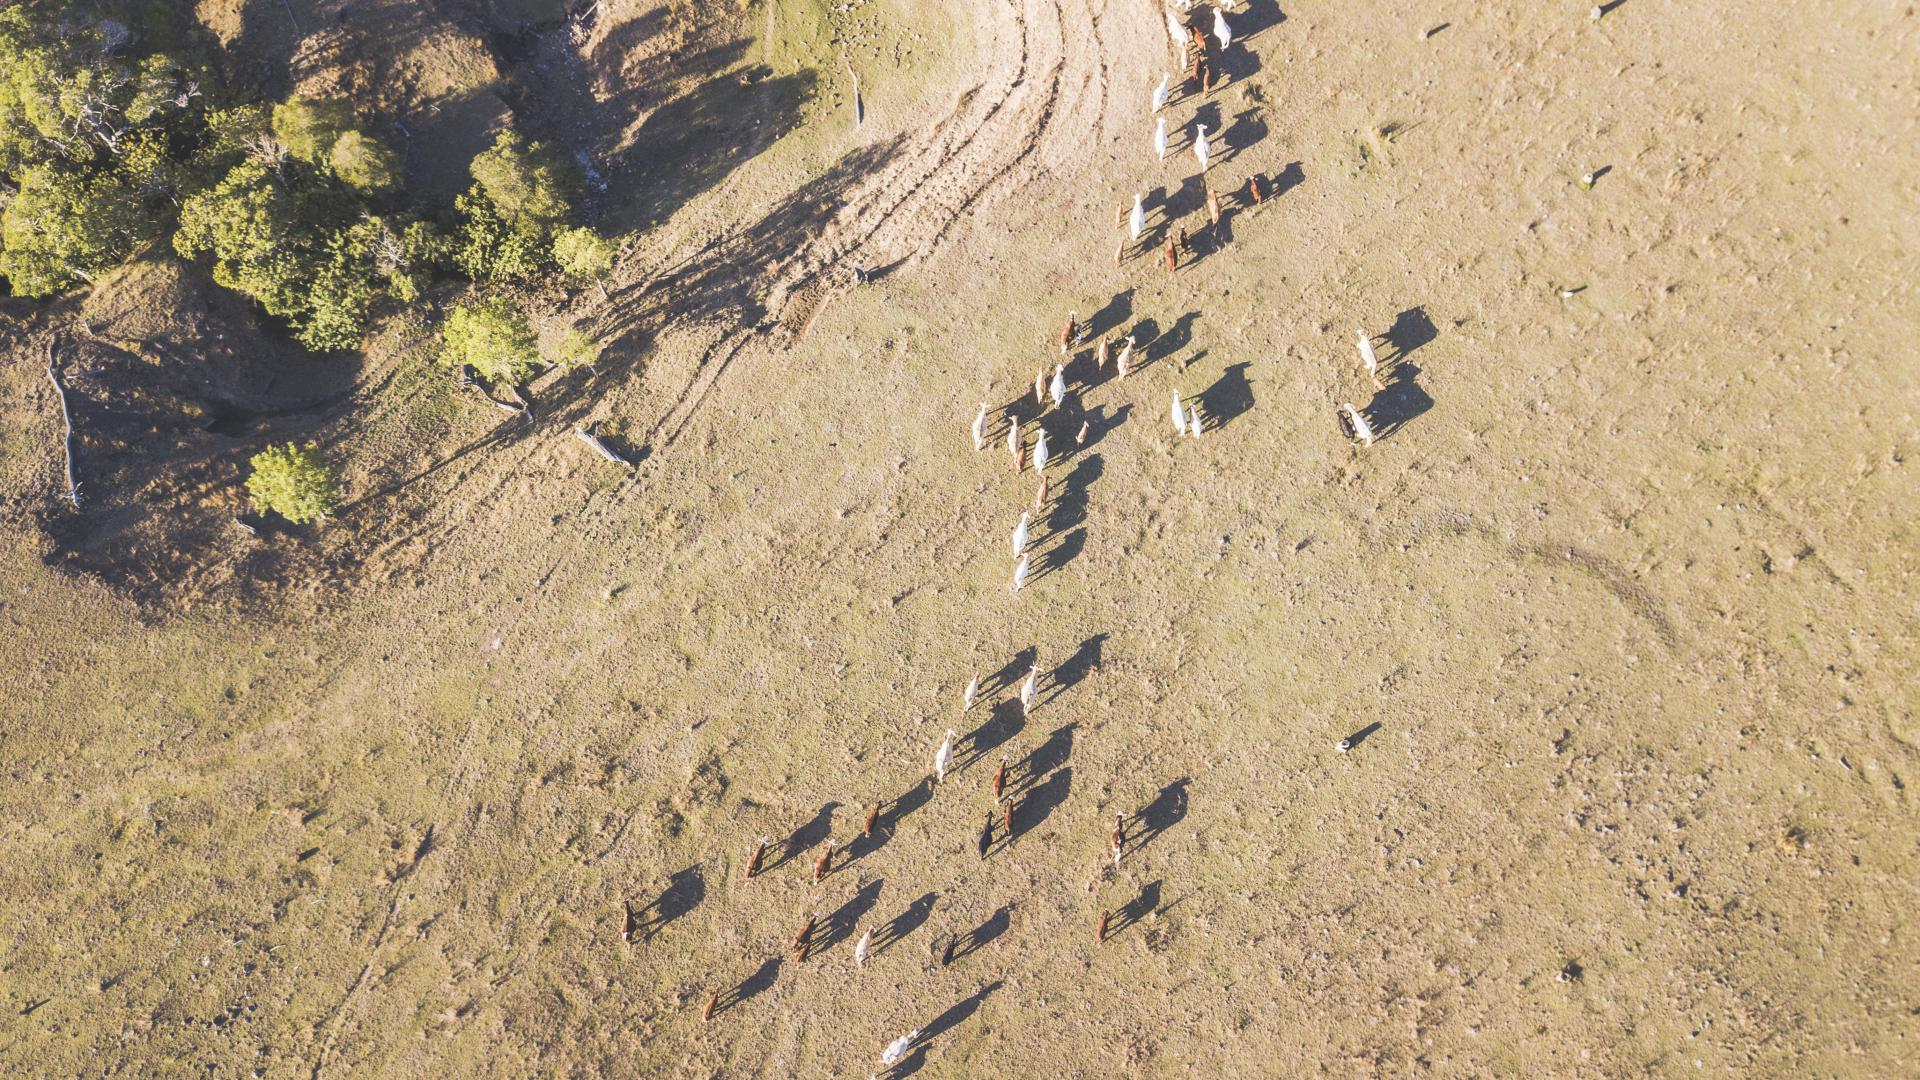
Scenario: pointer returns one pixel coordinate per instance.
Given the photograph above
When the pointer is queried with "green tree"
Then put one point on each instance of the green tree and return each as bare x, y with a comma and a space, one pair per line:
576, 350
522, 194
494, 337
529, 185
364, 163
88, 112
296, 241
584, 256
294, 482
308, 127
65, 225
489, 247
258, 231
341, 296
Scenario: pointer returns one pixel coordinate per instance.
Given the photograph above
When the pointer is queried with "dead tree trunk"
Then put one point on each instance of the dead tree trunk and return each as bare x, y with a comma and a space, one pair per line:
66, 416
585, 434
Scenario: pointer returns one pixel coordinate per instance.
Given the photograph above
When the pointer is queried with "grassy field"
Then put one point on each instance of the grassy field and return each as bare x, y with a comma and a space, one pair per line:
1619, 616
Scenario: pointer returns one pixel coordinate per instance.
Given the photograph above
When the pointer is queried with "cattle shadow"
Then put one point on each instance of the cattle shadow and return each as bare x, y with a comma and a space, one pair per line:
1176, 337
1246, 131
956, 1014
804, 837
1136, 909
1165, 811
684, 892
1099, 423
1059, 555
762, 978
981, 936
1207, 113
1410, 330
908, 1066
1189, 200
1003, 723
898, 927
1112, 315
1046, 757
1288, 178
1259, 15
1399, 404
1039, 803
1075, 669
908, 801
1229, 398
839, 926
1360, 736
1012, 672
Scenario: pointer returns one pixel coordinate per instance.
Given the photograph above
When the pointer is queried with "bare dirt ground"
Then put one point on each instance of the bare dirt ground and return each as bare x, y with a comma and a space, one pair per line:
1618, 616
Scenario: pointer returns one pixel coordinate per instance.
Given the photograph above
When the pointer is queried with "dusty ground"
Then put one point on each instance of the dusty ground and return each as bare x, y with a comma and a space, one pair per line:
1620, 614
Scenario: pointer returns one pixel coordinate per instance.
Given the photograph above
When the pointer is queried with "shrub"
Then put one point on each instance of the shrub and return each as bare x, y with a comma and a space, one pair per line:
308, 127
584, 256
492, 336
294, 482
576, 350
364, 163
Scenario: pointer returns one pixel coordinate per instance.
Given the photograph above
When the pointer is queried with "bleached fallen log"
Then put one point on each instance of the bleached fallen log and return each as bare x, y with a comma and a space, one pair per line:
66, 416
585, 435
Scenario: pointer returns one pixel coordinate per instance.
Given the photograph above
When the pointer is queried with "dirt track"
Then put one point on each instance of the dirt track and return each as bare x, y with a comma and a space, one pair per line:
1618, 614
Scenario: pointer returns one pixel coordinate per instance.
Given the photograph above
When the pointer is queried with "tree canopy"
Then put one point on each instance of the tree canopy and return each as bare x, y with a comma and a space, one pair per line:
522, 195
87, 108
492, 336
294, 482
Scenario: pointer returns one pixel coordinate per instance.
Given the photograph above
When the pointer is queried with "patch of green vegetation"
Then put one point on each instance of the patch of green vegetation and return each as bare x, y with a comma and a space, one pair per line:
494, 338
294, 482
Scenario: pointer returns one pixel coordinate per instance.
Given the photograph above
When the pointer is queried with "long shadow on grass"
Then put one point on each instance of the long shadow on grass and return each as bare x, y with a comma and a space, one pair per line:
813, 832
904, 923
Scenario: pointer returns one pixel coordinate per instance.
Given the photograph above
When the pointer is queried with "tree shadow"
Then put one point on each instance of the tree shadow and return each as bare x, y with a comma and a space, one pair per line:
839, 925
1136, 909
692, 142
1044, 758
762, 978
1230, 397
804, 837
1410, 330
1077, 667
1003, 723
719, 281
897, 928
980, 936
684, 892
1166, 810
1401, 402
